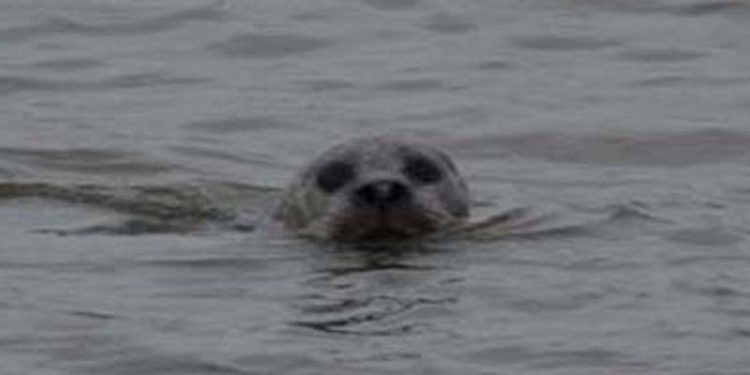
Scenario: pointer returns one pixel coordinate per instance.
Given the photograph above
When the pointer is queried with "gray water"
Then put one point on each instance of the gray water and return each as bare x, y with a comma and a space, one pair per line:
141, 143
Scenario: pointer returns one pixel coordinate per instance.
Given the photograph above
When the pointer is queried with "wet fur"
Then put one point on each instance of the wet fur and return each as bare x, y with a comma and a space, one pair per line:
434, 207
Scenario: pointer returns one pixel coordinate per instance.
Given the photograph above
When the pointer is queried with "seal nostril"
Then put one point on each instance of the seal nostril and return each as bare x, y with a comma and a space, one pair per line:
383, 194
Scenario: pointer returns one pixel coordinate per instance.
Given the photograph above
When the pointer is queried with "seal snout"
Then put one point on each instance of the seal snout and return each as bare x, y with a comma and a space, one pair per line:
383, 194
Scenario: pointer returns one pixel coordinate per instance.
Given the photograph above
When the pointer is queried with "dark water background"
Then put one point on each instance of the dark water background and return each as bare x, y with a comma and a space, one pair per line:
140, 142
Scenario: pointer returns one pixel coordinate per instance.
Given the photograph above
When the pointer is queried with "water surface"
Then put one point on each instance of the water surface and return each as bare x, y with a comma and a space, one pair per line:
142, 144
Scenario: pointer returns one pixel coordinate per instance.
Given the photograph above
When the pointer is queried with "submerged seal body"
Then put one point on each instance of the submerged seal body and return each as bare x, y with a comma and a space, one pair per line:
375, 188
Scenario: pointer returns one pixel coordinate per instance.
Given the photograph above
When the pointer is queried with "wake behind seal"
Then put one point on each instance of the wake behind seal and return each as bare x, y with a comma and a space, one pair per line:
386, 187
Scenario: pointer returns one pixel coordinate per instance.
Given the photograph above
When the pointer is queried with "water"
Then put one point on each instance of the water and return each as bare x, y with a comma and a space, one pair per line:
142, 142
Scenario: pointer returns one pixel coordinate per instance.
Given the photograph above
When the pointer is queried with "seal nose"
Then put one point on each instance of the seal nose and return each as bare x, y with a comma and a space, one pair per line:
383, 194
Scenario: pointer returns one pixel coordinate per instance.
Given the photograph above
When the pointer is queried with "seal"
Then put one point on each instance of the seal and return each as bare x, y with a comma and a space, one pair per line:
371, 188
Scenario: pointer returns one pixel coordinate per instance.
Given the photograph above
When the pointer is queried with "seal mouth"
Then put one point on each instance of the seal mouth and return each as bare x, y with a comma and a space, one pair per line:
372, 225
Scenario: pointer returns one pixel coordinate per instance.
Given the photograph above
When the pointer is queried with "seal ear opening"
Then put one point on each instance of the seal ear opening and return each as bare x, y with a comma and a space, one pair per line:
334, 175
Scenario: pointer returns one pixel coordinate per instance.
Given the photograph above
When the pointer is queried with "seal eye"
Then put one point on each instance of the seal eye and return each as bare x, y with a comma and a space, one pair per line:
334, 175
422, 170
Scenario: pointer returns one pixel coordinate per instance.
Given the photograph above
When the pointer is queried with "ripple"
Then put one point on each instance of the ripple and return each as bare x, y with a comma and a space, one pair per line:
616, 148
551, 304
412, 85
61, 25
676, 80
392, 4
372, 265
452, 114
448, 23
325, 85
728, 292
194, 151
711, 236
633, 212
12, 85
92, 314
86, 161
709, 260
269, 46
68, 64
662, 55
592, 357
130, 227
552, 358
742, 333
142, 80
682, 9
564, 43
135, 362
227, 263
369, 316
6, 173
626, 6
701, 8
494, 65
236, 125
155, 209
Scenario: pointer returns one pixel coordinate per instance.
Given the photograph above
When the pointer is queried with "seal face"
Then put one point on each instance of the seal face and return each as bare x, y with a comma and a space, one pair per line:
375, 188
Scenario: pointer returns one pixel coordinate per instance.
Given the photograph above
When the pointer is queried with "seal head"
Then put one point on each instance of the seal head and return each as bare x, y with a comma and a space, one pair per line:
375, 188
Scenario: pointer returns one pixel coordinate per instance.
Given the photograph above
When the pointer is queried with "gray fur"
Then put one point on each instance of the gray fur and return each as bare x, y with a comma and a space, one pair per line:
310, 211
